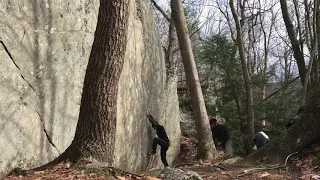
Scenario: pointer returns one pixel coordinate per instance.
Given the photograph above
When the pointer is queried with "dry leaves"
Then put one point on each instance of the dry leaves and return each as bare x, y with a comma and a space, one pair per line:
307, 168
187, 159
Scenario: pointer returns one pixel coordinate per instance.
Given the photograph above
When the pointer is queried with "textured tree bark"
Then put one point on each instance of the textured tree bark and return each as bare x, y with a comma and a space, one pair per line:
204, 135
95, 133
315, 76
313, 54
303, 133
170, 62
248, 84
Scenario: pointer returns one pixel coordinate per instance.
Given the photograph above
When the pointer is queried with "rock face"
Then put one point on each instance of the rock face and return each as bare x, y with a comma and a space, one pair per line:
143, 84
44, 50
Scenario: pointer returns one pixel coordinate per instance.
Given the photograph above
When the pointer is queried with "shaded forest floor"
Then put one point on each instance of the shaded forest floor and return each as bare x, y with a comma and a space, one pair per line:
302, 167
298, 167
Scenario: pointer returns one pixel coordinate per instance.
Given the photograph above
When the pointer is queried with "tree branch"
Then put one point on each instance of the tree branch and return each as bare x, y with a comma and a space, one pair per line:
271, 167
284, 86
161, 11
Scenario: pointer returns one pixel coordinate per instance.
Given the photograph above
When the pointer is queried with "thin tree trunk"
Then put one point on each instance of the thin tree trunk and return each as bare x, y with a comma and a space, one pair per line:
226, 15
204, 135
313, 52
169, 52
170, 64
161, 11
305, 87
247, 79
297, 52
308, 30
317, 60
297, 13
249, 50
266, 42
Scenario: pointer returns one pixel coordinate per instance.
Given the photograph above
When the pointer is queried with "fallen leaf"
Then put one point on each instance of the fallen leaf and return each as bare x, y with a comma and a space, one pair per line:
315, 177
68, 164
39, 172
299, 163
206, 163
264, 175
121, 178
310, 177
265, 158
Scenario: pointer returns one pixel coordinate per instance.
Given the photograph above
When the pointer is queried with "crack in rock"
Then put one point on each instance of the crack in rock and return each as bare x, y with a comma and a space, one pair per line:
47, 134
9, 54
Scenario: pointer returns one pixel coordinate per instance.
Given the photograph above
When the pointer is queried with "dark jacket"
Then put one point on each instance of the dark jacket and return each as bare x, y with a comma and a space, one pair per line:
297, 116
161, 132
220, 133
293, 120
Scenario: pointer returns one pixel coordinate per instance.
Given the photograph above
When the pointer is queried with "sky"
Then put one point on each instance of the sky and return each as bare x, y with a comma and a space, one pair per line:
212, 22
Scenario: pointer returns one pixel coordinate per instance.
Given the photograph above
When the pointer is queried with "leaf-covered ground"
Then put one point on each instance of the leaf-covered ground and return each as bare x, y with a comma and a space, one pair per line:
298, 167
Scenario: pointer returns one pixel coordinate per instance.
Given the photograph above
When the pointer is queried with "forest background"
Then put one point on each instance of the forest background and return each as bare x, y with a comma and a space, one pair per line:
273, 51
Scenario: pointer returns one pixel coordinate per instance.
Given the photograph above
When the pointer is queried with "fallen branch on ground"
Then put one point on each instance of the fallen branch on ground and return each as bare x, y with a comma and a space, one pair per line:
270, 167
197, 163
186, 164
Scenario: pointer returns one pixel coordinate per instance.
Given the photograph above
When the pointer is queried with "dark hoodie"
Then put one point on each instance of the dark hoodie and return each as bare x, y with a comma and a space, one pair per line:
220, 133
161, 133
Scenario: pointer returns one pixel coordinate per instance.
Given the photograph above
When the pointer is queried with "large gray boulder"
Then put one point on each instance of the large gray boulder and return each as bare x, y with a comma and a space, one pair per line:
143, 84
178, 174
44, 50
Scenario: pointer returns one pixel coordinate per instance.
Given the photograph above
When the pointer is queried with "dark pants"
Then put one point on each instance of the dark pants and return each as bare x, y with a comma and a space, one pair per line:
163, 151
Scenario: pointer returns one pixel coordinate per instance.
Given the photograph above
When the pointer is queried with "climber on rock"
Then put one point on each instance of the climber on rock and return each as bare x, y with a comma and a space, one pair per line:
162, 140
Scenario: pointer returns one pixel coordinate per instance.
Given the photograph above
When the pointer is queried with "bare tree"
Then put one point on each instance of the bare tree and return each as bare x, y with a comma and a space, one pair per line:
314, 43
169, 47
248, 84
204, 136
296, 45
315, 73
266, 34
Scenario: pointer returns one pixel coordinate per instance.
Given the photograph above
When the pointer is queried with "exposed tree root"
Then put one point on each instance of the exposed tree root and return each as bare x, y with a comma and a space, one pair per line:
65, 157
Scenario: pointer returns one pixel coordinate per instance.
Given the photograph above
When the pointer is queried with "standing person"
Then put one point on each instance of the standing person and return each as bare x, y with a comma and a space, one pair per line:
221, 135
162, 139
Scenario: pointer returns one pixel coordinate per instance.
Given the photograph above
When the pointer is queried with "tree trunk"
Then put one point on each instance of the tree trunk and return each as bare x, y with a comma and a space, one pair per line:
303, 133
248, 84
314, 46
250, 50
170, 64
168, 50
317, 59
204, 135
95, 133
297, 52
